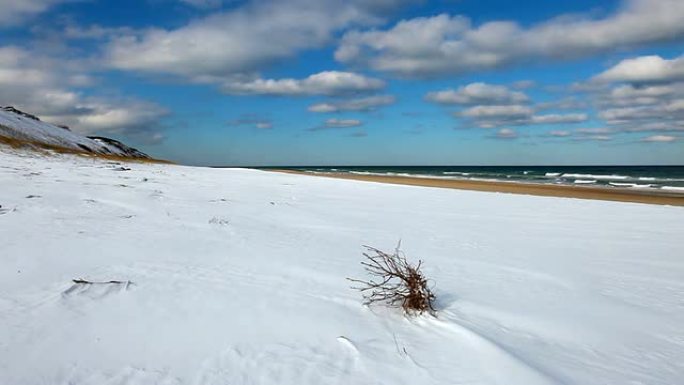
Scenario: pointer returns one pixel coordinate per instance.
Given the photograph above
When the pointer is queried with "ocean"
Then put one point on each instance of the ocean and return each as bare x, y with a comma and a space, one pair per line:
663, 178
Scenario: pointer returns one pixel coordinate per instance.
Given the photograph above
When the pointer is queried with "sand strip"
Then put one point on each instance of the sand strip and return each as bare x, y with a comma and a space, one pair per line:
581, 192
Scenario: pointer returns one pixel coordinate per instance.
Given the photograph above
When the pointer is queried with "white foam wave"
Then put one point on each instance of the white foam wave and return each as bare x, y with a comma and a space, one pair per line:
672, 188
630, 185
592, 176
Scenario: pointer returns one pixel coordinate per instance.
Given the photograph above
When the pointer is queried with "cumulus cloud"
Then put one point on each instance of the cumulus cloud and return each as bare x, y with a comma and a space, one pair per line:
640, 94
252, 120
369, 103
14, 12
645, 69
445, 45
660, 138
507, 112
559, 118
48, 88
492, 116
323, 83
244, 40
559, 133
627, 95
337, 123
594, 131
600, 134
477, 93
490, 106
598, 138
506, 133
342, 123
128, 117
663, 117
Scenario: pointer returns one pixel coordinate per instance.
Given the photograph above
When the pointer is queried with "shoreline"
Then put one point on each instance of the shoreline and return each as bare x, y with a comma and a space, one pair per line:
549, 190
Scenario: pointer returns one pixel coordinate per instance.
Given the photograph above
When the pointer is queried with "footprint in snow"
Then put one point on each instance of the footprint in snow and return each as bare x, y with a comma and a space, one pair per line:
219, 221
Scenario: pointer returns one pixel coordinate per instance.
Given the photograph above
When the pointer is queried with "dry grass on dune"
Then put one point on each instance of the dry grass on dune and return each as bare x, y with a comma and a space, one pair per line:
46, 148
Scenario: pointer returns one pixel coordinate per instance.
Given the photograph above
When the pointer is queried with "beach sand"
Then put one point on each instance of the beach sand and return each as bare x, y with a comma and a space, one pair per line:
580, 192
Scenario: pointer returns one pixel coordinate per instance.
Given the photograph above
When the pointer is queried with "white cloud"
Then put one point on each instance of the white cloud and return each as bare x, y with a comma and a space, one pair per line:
44, 87
641, 94
559, 133
671, 112
663, 126
599, 138
492, 116
323, 83
506, 133
244, 40
623, 114
477, 93
675, 106
342, 123
337, 123
645, 69
629, 95
323, 108
93, 115
443, 44
204, 4
514, 111
559, 118
594, 131
490, 106
14, 12
660, 138
360, 104
94, 31
524, 84
252, 120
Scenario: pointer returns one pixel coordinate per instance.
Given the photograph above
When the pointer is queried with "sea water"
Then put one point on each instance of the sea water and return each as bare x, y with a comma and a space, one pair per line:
663, 178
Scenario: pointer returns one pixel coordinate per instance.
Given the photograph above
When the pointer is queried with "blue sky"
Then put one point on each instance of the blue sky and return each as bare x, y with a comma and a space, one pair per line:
332, 82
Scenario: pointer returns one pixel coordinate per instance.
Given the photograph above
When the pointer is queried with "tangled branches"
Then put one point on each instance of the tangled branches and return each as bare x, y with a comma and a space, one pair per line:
395, 282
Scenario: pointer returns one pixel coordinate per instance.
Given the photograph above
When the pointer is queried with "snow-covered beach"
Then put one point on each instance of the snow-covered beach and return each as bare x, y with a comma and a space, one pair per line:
237, 276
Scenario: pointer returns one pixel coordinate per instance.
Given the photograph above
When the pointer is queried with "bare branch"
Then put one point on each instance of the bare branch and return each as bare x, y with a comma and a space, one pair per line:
400, 283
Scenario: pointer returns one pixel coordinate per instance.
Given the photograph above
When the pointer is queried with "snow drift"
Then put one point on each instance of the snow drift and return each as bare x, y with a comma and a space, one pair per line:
230, 276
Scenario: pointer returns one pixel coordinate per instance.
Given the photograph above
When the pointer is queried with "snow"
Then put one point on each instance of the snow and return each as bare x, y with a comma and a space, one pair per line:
235, 276
21, 127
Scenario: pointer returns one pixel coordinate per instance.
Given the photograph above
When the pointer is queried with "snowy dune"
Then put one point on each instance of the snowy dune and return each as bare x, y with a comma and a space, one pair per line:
238, 277
23, 127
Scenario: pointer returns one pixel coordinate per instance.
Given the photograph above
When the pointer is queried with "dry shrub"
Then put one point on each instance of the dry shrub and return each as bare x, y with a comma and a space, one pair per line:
44, 148
395, 282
